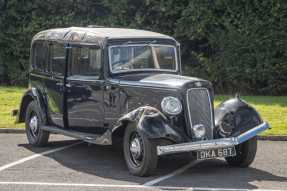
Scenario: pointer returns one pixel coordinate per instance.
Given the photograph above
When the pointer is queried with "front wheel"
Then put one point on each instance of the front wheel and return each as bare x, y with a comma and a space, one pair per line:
35, 135
245, 154
140, 152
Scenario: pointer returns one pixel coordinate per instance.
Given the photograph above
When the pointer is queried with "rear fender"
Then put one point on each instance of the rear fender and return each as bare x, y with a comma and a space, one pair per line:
31, 95
151, 122
234, 117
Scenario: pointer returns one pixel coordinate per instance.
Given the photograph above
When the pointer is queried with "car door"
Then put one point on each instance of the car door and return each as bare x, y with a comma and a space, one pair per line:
54, 83
85, 90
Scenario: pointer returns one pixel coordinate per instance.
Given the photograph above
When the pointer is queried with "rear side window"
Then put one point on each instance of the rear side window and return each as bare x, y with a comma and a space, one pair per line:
86, 61
40, 56
58, 58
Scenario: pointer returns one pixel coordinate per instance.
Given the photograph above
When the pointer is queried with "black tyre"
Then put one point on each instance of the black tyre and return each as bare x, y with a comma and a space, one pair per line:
35, 135
139, 152
245, 154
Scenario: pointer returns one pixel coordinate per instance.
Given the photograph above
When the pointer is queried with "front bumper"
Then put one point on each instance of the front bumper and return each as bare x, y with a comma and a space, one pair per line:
212, 144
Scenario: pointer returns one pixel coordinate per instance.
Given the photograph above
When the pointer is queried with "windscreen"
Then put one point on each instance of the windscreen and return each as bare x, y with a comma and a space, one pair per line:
142, 57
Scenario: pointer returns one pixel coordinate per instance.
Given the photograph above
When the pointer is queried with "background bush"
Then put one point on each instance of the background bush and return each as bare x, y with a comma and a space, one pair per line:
240, 45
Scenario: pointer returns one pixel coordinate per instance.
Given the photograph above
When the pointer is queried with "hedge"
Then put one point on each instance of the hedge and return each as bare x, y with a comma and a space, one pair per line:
239, 45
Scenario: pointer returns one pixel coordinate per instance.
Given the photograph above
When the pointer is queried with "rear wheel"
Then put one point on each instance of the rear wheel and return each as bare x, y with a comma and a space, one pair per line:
140, 152
245, 154
33, 120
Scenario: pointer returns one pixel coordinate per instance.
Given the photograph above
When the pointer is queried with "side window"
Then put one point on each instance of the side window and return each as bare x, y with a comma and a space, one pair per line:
58, 58
40, 56
86, 61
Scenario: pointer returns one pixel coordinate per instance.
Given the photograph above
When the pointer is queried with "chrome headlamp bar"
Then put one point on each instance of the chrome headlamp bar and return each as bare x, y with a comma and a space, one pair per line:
212, 144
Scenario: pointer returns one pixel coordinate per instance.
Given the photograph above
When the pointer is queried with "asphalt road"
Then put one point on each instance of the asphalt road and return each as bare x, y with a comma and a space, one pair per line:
90, 167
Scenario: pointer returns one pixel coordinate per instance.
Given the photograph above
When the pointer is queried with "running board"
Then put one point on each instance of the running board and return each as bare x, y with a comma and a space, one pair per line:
103, 139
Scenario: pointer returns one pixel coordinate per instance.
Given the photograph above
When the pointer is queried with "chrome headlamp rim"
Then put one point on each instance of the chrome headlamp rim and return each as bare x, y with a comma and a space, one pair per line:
166, 101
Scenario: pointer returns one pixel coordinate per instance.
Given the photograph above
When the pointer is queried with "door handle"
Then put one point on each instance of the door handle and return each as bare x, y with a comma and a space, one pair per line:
59, 84
68, 85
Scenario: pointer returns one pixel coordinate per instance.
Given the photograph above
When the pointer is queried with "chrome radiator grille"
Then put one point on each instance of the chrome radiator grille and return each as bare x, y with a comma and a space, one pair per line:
200, 109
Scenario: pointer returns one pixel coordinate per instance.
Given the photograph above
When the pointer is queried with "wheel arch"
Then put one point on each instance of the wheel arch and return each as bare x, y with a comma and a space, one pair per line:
23, 107
31, 95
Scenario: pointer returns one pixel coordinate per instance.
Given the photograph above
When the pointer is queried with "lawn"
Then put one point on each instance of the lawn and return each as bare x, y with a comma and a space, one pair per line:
10, 98
272, 108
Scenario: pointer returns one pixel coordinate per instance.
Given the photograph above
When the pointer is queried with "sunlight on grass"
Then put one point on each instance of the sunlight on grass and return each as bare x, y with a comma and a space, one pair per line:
10, 98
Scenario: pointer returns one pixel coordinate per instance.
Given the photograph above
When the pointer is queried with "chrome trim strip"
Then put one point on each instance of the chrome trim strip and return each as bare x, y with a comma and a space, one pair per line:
210, 106
212, 144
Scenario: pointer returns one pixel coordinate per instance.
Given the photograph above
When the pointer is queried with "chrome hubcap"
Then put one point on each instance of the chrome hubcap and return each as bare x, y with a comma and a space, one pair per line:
135, 148
34, 124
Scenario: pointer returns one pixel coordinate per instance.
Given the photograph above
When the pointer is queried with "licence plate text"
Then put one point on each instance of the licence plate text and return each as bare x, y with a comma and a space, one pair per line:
214, 153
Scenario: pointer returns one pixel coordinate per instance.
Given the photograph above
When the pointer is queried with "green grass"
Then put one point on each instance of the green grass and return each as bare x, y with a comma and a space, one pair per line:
10, 98
272, 108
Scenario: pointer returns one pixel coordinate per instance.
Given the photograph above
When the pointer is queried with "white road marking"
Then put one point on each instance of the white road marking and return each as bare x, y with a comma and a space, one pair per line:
73, 184
174, 173
36, 155
127, 186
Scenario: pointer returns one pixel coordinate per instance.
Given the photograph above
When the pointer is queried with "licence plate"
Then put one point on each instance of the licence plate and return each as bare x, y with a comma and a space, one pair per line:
214, 153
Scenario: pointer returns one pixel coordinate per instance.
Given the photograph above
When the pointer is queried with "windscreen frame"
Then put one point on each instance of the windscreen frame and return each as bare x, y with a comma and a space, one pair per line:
146, 69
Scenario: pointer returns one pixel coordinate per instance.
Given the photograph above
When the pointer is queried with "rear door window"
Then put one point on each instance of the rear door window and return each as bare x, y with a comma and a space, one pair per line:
40, 56
58, 58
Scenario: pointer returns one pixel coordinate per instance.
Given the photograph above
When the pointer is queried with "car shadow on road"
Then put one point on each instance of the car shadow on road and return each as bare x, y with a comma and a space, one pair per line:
108, 162
217, 174
103, 161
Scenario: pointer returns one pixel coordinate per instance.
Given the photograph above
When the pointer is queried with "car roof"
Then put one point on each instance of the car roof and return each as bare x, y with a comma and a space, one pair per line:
95, 34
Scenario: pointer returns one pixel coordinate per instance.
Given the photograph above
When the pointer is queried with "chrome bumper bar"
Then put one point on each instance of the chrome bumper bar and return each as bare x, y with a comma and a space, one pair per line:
212, 144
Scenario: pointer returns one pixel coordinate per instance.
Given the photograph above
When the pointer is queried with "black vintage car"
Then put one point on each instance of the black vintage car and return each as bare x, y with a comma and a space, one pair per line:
102, 85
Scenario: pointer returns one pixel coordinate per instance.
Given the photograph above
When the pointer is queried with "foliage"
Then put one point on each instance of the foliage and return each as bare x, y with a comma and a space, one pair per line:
20, 20
240, 45
248, 43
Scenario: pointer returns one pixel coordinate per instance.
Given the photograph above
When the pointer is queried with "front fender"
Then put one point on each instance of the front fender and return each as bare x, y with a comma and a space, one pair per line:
234, 117
151, 122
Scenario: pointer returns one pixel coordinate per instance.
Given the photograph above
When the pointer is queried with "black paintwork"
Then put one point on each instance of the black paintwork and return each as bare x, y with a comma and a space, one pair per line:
149, 89
106, 103
153, 123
